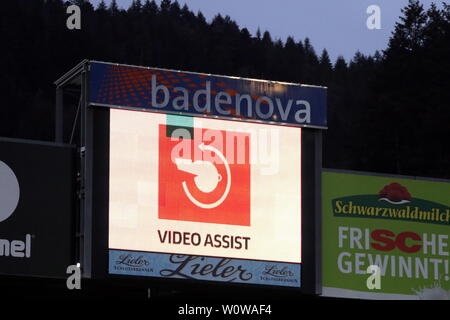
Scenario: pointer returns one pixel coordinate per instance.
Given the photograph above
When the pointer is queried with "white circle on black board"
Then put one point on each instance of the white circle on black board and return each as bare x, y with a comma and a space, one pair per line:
9, 191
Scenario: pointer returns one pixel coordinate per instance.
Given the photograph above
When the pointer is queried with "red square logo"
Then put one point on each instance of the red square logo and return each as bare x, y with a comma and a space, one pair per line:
204, 175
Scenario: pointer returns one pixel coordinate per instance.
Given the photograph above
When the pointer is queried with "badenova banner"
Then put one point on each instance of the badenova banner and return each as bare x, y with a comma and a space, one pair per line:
188, 93
401, 225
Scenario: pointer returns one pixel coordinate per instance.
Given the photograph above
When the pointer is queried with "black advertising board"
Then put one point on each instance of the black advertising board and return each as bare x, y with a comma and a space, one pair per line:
36, 208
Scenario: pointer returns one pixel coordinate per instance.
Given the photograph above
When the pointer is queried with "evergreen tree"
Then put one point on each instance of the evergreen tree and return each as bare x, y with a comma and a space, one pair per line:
102, 6
165, 6
113, 7
413, 86
325, 66
135, 7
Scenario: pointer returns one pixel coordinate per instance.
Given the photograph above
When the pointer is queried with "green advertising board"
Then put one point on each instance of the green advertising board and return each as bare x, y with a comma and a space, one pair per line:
401, 225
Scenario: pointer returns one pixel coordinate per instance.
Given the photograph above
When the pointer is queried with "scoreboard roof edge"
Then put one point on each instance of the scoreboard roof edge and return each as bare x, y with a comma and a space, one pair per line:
204, 74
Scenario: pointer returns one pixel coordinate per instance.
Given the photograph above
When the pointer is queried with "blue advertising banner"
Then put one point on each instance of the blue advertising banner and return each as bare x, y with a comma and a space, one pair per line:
223, 97
181, 266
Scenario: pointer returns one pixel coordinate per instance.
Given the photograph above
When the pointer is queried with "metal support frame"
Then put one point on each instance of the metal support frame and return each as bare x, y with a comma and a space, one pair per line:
59, 126
318, 211
86, 144
78, 77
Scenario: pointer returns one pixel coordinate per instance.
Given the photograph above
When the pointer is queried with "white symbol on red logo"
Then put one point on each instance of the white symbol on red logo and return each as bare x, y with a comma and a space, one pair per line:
9, 191
207, 177
200, 179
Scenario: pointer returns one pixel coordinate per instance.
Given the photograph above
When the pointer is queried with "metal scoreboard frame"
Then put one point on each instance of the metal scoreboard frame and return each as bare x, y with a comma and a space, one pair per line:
85, 121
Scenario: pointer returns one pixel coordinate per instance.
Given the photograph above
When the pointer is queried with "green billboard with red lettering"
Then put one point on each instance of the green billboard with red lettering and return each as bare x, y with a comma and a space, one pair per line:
398, 225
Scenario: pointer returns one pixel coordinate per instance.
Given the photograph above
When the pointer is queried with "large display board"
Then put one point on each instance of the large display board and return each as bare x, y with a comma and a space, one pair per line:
184, 199
399, 224
204, 198
202, 177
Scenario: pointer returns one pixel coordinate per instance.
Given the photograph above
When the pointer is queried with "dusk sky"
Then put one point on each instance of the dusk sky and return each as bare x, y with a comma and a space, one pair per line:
338, 26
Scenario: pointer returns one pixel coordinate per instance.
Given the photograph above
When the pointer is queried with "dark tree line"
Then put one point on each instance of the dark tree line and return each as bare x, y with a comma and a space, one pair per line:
388, 112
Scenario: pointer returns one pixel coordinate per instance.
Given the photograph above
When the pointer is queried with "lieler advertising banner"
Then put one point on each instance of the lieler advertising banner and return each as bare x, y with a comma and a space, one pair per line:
385, 237
204, 199
189, 93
